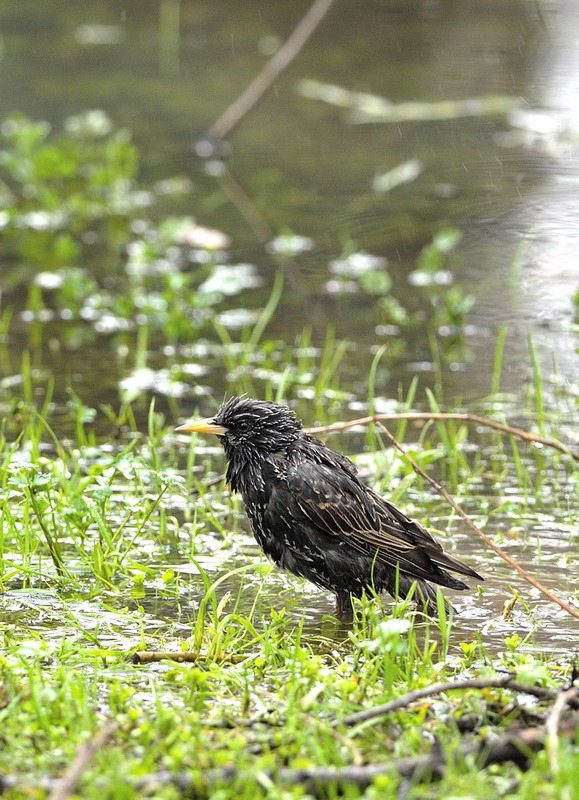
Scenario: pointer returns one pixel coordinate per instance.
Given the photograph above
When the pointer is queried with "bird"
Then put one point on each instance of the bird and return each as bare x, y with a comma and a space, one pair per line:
314, 517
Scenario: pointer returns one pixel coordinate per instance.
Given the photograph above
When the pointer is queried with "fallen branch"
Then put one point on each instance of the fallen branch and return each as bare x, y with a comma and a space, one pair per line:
553, 724
65, 787
489, 543
181, 657
371, 108
506, 682
471, 419
516, 746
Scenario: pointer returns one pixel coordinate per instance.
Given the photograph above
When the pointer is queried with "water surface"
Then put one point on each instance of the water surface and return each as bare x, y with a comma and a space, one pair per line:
508, 183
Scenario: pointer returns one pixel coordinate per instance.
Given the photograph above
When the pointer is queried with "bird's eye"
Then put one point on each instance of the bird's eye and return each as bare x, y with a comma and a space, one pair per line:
243, 425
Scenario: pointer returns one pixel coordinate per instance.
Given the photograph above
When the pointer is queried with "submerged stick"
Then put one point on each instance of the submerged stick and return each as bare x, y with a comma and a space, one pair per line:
181, 657
280, 61
65, 787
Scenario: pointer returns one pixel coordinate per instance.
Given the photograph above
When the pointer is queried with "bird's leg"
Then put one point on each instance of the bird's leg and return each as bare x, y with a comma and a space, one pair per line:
344, 605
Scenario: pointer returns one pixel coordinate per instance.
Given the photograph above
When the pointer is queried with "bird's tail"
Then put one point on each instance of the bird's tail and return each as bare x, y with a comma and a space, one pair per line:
400, 585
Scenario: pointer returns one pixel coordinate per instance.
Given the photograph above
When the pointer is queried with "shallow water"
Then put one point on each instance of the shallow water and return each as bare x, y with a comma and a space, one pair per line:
508, 183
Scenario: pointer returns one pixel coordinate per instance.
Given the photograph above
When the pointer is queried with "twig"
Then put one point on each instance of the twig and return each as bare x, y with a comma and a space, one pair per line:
280, 61
264, 233
65, 786
515, 746
407, 699
553, 724
472, 419
246, 205
459, 510
185, 657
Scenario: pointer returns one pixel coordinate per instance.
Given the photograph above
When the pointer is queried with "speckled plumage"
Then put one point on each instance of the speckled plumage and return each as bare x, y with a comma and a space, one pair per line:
312, 515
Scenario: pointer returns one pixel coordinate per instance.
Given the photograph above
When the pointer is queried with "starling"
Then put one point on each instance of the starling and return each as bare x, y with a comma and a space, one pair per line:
313, 516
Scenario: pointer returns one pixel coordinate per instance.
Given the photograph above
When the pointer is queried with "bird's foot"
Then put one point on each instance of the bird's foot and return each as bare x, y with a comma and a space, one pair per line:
344, 609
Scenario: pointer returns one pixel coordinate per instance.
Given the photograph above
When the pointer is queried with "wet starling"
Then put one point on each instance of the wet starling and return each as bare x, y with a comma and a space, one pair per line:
312, 515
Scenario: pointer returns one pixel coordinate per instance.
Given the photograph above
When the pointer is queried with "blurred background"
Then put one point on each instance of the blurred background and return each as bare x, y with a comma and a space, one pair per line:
422, 237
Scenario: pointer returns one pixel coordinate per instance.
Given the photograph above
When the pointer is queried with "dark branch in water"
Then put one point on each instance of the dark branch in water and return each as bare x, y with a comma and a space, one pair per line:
261, 83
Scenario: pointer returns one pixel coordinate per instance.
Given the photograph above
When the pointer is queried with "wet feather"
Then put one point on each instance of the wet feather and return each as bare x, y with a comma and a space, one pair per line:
313, 516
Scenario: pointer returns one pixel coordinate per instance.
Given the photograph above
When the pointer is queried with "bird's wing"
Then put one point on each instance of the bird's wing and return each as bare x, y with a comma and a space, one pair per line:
337, 503
390, 515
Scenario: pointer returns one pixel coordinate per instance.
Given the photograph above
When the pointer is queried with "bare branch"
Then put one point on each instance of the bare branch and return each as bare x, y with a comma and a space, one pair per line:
182, 657
471, 419
280, 61
506, 682
65, 787
489, 543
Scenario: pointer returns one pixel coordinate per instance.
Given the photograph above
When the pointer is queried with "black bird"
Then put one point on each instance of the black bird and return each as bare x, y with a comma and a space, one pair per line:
312, 515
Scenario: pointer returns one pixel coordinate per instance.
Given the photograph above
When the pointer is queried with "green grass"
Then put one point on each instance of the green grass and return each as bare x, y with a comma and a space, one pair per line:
107, 549
261, 696
118, 536
104, 552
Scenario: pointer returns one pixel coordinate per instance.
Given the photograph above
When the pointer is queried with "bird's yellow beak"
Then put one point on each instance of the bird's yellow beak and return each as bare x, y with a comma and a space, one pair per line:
202, 426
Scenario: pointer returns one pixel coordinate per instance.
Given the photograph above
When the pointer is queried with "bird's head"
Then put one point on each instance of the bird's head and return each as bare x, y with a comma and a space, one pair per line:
245, 425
